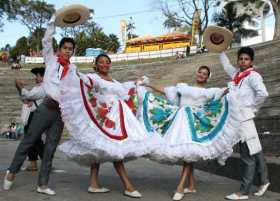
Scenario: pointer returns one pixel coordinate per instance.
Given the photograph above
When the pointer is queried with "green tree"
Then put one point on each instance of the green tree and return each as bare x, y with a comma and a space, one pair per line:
172, 21
130, 29
181, 12
20, 48
34, 15
9, 9
90, 35
86, 27
35, 38
114, 43
7, 47
81, 43
228, 18
255, 8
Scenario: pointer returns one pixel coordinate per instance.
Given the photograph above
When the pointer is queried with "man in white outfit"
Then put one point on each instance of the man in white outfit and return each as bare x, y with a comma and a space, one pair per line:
47, 117
252, 93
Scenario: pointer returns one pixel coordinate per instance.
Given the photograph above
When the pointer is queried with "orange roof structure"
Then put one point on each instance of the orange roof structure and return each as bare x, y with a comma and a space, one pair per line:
161, 38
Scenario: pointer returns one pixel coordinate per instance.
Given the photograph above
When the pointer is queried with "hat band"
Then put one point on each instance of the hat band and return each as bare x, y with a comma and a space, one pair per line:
217, 38
73, 18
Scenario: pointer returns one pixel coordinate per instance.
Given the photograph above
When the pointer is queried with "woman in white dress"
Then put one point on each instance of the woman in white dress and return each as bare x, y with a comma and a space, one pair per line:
99, 113
203, 127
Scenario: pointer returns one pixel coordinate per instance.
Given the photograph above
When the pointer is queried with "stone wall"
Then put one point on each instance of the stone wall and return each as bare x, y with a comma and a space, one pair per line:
165, 73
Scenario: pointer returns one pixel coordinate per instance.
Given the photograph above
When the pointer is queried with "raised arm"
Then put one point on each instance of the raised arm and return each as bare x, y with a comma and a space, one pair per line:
48, 52
228, 67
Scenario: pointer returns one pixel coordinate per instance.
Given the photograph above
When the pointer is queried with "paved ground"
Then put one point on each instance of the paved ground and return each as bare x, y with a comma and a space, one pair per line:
154, 181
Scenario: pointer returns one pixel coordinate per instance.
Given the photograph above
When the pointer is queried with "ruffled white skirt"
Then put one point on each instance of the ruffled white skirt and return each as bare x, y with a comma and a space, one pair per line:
192, 134
119, 136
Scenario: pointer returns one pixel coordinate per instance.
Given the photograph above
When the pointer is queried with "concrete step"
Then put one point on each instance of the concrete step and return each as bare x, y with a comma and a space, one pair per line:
232, 169
269, 124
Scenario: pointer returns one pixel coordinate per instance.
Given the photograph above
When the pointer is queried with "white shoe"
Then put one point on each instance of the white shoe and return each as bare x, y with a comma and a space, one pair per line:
7, 184
221, 162
187, 190
46, 191
133, 194
98, 190
178, 196
234, 196
262, 190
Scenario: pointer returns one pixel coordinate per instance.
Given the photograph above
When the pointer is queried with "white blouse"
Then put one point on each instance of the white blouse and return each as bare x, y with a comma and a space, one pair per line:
184, 95
105, 90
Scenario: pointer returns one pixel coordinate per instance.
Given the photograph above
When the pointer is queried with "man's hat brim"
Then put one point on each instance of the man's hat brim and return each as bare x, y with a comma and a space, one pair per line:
72, 15
38, 70
217, 39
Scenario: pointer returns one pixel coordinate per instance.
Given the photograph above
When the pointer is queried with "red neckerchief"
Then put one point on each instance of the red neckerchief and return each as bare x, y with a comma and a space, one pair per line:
61, 60
240, 75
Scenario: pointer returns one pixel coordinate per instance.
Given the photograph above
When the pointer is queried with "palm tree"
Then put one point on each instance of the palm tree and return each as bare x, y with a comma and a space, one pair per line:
130, 28
172, 21
228, 18
258, 7
114, 43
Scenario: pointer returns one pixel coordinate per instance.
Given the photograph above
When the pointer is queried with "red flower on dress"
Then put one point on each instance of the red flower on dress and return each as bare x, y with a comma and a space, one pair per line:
102, 112
131, 105
93, 101
109, 123
131, 91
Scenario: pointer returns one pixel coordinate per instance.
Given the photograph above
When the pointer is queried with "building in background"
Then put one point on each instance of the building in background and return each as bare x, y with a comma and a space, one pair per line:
162, 42
94, 52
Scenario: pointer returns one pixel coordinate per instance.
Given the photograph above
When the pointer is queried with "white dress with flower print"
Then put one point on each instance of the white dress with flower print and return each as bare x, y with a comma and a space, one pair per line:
100, 117
195, 123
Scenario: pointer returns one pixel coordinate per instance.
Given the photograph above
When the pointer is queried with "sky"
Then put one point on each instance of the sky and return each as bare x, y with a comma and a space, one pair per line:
148, 19
145, 22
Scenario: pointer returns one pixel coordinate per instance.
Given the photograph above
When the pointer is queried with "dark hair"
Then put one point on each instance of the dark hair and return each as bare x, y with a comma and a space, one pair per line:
246, 50
67, 40
38, 70
41, 73
102, 55
205, 67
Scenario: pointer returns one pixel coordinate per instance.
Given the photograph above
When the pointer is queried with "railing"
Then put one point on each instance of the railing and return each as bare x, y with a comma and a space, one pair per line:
124, 56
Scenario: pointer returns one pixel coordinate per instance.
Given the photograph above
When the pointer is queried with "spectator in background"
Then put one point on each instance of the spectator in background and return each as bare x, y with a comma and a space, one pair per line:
188, 50
31, 99
203, 49
179, 55
16, 65
11, 133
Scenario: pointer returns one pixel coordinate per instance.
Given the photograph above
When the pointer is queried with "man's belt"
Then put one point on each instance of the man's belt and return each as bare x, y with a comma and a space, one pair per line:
51, 103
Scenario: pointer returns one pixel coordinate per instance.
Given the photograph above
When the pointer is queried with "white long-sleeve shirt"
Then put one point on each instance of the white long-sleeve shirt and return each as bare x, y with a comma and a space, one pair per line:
252, 91
37, 94
53, 68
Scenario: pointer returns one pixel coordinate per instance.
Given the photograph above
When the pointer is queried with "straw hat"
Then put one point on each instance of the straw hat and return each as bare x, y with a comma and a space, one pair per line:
72, 15
217, 39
